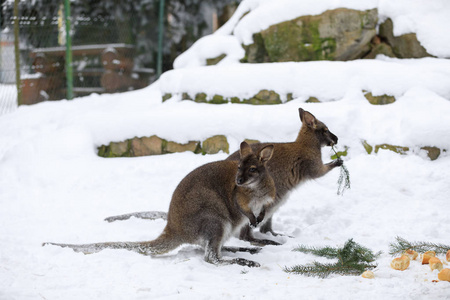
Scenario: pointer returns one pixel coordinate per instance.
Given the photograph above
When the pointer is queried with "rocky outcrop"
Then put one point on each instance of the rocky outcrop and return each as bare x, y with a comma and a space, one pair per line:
154, 145
341, 34
403, 46
260, 98
433, 153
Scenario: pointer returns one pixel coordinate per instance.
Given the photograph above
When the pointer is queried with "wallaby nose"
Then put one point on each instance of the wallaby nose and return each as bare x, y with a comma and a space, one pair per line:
334, 140
239, 180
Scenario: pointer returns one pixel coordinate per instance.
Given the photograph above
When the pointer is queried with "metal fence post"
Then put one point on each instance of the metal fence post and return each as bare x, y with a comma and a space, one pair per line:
69, 71
160, 39
17, 52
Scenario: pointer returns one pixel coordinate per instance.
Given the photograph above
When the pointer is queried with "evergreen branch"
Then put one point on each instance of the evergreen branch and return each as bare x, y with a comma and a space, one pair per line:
316, 269
344, 176
401, 245
353, 259
328, 252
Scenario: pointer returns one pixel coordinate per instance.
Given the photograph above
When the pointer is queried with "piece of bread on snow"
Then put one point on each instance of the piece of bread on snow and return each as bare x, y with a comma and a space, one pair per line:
368, 274
426, 257
444, 275
400, 263
447, 256
435, 264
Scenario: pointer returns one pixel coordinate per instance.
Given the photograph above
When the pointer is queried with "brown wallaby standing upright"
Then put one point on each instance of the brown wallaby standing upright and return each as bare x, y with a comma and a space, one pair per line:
207, 208
293, 163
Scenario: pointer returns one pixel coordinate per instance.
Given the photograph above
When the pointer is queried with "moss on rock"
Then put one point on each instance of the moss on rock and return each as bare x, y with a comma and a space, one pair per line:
340, 34
201, 98
312, 100
215, 60
396, 149
215, 144
218, 99
166, 97
379, 100
366, 146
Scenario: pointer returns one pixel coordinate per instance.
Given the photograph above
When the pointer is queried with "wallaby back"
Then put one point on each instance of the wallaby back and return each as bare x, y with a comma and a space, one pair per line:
295, 162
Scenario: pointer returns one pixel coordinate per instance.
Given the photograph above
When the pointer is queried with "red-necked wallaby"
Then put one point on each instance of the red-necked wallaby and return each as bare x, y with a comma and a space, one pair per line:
208, 206
293, 163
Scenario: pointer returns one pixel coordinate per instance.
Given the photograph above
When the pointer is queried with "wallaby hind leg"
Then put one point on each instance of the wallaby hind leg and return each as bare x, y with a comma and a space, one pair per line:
212, 255
247, 235
214, 237
251, 250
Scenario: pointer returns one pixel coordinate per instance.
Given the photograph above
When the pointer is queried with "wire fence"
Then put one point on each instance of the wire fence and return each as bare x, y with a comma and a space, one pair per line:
104, 54
114, 45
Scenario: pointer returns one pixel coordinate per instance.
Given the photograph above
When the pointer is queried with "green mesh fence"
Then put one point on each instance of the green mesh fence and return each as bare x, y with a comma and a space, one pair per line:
114, 44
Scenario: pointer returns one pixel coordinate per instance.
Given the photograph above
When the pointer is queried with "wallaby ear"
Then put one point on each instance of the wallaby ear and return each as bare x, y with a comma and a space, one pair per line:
308, 119
301, 112
245, 149
265, 153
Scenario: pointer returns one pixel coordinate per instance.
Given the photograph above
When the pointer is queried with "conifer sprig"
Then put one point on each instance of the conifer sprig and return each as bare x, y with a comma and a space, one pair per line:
353, 259
344, 176
401, 245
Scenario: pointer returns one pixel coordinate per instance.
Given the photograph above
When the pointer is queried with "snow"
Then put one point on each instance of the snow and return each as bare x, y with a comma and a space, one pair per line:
54, 188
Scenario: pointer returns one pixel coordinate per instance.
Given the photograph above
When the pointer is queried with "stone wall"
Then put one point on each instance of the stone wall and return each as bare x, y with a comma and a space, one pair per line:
154, 145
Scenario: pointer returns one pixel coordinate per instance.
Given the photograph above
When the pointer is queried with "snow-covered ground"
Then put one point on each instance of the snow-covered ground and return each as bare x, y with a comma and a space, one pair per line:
53, 187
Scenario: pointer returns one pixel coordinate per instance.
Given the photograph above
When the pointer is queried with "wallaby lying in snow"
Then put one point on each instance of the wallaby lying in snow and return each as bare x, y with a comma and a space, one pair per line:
208, 206
293, 163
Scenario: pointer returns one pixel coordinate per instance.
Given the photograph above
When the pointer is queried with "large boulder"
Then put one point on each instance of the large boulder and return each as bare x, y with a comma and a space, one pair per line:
403, 46
340, 34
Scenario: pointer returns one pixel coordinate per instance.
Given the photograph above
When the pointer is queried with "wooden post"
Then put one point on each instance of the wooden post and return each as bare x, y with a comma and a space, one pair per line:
17, 52
69, 71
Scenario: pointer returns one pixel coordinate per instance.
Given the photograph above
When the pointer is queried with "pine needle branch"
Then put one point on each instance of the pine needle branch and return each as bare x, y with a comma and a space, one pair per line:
321, 270
328, 252
344, 176
401, 245
353, 259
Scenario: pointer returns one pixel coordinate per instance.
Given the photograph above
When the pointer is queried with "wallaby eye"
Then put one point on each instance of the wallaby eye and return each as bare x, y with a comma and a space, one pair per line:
252, 170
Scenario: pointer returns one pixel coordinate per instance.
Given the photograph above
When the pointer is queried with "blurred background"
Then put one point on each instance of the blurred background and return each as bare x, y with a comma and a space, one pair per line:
60, 49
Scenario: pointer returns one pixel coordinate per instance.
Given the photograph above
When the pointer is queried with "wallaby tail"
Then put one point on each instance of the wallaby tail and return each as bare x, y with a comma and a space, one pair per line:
149, 215
160, 245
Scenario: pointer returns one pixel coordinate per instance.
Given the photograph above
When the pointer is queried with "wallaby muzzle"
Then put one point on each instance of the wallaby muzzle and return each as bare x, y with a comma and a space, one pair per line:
332, 139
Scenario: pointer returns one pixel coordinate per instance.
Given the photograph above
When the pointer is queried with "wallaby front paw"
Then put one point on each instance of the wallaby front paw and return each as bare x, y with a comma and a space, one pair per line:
253, 224
338, 162
260, 219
